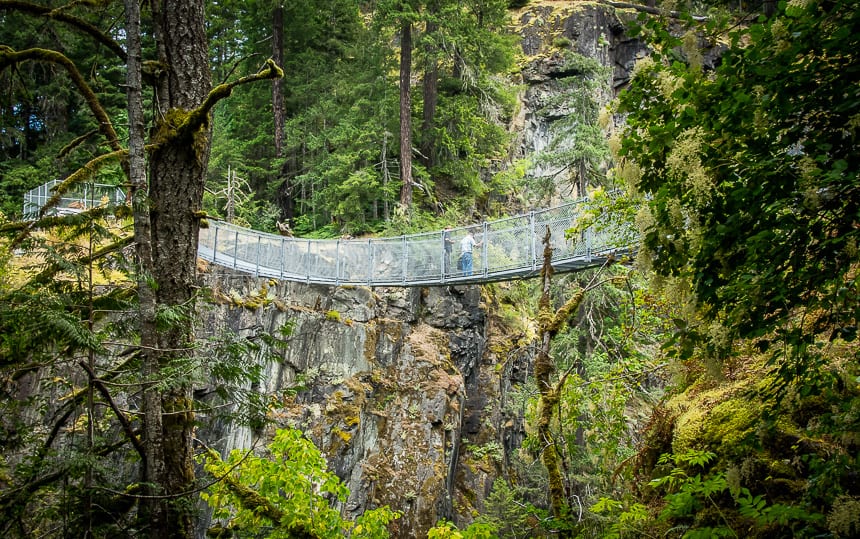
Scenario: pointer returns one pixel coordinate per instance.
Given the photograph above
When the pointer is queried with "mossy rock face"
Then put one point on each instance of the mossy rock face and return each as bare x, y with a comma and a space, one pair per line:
731, 425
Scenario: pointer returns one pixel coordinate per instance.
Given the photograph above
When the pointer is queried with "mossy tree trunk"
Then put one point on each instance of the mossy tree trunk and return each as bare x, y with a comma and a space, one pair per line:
550, 322
166, 226
177, 172
150, 512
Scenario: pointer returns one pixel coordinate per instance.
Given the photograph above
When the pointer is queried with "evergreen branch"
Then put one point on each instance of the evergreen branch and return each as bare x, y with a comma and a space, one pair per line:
85, 172
123, 420
65, 150
60, 15
209, 451
69, 219
23, 228
18, 496
49, 273
82, 174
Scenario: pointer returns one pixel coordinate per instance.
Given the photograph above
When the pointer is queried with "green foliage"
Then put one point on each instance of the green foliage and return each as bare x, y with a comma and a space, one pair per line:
40, 111
447, 530
745, 203
247, 210
17, 180
749, 206
577, 143
492, 450
288, 494
467, 142
624, 520
506, 510
688, 497
610, 356
63, 298
340, 167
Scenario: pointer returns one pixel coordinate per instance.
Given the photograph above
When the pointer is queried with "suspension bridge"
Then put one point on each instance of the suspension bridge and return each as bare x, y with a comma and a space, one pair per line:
509, 248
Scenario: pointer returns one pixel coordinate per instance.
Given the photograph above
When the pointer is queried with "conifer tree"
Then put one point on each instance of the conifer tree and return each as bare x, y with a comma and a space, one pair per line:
168, 209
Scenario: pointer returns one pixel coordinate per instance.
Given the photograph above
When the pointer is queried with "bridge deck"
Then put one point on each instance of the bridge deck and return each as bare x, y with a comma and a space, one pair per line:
510, 248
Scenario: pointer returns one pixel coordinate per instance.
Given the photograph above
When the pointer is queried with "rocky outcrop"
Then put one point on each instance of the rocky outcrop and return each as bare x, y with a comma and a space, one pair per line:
555, 35
591, 29
387, 383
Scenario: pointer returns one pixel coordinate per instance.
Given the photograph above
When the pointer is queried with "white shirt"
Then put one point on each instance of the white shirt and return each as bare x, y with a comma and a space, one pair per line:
467, 243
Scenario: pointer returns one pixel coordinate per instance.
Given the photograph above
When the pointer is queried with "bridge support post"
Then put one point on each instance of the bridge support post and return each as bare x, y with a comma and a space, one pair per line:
281, 258
308, 262
215, 245
236, 250
589, 233
370, 257
485, 263
337, 263
443, 259
533, 246
405, 259
257, 263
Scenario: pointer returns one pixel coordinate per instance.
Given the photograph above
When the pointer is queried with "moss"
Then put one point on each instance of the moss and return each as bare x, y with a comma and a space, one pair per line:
561, 42
332, 315
344, 436
844, 517
701, 405
371, 338
731, 424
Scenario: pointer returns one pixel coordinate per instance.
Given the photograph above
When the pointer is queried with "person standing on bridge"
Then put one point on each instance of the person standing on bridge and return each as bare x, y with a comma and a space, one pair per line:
448, 244
467, 244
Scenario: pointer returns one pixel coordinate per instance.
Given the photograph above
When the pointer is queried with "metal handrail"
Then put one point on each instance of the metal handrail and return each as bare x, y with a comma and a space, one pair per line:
80, 198
508, 251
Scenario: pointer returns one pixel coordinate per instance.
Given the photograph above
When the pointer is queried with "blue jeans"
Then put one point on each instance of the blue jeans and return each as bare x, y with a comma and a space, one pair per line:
467, 263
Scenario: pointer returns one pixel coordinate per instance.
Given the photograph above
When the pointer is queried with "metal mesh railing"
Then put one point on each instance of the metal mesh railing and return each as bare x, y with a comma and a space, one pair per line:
82, 197
510, 248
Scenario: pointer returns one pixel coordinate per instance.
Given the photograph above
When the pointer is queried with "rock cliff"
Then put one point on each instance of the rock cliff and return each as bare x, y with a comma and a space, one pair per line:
388, 383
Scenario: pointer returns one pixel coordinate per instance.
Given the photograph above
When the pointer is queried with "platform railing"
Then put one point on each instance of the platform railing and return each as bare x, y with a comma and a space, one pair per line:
82, 197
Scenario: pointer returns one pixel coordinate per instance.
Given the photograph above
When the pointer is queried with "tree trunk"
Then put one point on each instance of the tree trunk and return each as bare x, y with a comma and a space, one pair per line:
431, 98
285, 188
550, 322
278, 109
150, 512
406, 115
177, 174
